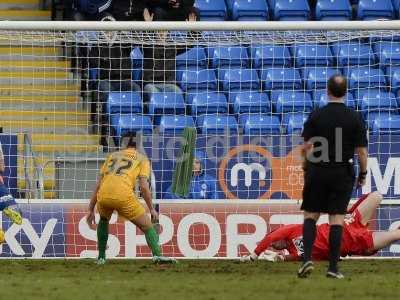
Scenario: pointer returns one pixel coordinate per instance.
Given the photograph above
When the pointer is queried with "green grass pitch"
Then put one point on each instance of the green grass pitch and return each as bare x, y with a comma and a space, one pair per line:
140, 279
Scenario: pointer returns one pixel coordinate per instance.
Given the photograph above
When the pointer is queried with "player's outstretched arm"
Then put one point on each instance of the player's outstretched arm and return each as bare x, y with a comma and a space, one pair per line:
90, 217
146, 194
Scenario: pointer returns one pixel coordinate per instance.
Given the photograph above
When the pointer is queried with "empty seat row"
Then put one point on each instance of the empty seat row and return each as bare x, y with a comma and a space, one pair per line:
295, 10
278, 101
254, 124
339, 54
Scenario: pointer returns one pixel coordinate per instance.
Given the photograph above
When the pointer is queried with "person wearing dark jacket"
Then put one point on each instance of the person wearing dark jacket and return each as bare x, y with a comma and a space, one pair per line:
171, 10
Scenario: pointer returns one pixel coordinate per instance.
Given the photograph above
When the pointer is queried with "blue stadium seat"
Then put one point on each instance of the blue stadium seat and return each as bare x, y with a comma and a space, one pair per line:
316, 78
353, 53
124, 124
384, 124
216, 124
251, 102
137, 63
198, 80
268, 55
365, 77
291, 10
292, 101
211, 10
207, 103
280, 78
249, 10
333, 10
259, 124
124, 102
194, 57
321, 99
175, 124
238, 79
373, 9
293, 123
312, 55
228, 57
167, 104
393, 73
375, 100
388, 53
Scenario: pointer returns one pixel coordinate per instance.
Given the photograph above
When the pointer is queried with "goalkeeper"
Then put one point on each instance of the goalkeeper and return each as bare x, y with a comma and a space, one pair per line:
115, 191
286, 243
7, 201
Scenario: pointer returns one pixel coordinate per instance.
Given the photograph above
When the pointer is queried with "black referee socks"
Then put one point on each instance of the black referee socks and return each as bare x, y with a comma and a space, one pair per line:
309, 230
335, 239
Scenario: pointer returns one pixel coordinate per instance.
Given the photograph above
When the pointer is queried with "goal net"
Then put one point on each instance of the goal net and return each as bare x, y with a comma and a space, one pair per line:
70, 92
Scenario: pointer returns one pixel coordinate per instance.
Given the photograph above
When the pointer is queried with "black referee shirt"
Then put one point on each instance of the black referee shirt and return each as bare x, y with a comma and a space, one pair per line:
337, 124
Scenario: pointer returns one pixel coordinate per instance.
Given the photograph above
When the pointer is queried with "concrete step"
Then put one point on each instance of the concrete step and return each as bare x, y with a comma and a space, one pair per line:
48, 90
41, 103
20, 4
52, 126
26, 53
36, 74
62, 139
34, 65
17, 115
25, 15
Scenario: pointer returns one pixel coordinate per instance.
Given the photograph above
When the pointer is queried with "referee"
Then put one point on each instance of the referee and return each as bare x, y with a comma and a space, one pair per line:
331, 135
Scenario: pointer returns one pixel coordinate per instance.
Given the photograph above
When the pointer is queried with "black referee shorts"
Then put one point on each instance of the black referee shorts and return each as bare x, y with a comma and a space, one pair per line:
327, 189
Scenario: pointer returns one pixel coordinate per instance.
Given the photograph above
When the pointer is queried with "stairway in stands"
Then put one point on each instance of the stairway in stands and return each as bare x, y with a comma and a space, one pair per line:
39, 94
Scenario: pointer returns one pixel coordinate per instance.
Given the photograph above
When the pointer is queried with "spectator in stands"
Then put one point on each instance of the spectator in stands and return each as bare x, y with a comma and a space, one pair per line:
203, 186
129, 10
159, 65
173, 10
93, 10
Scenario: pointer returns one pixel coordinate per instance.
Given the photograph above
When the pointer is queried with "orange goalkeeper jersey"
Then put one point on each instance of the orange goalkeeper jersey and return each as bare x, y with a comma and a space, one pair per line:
120, 172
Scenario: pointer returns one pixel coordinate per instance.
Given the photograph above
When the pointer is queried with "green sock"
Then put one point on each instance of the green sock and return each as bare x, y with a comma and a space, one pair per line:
102, 237
152, 241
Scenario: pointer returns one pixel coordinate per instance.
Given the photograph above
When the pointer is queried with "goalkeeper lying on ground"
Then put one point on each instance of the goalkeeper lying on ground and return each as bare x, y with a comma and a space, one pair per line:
115, 191
286, 243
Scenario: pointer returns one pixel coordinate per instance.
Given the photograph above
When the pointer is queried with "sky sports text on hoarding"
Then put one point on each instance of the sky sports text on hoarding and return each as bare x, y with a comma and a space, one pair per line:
188, 230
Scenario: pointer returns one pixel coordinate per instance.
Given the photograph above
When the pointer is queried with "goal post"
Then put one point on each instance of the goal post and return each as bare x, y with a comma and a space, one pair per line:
69, 91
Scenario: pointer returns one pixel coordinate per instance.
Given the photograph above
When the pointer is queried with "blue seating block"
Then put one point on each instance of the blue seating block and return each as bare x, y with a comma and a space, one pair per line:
321, 99
194, 57
292, 101
260, 124
291, 10
268, 55
211, 10
124, 102
294, 123
208, 103
393, 73
316, 78
388, 53
198, 80
312, 55
166, 103
375, 100
251, 102
365, 77
124, 124
217, 124
250, 10
238, 79
228, 57
353, 53
333, 10
384, 124
175, 124
280, 78
373, 10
